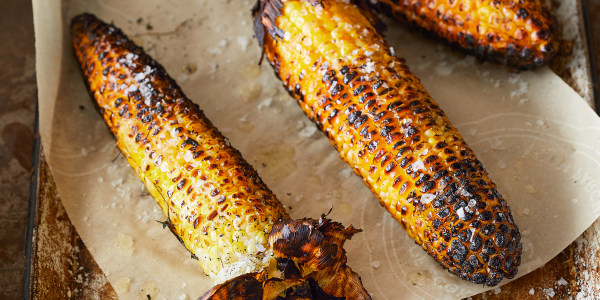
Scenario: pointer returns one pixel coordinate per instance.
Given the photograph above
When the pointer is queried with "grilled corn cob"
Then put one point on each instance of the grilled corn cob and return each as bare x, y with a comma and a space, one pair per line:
214, 201
387, 128
518, 33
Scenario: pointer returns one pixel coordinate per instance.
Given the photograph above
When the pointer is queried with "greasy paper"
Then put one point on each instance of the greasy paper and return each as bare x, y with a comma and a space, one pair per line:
536, 137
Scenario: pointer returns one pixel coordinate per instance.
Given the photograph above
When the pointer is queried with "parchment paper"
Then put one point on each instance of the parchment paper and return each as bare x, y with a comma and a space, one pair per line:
537, 138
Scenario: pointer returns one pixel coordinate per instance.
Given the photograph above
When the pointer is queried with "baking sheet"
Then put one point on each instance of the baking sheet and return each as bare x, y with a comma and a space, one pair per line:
537, 138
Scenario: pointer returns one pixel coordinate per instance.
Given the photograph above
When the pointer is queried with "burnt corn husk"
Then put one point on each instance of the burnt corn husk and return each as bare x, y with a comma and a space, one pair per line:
518, 33
214, 201
385, 125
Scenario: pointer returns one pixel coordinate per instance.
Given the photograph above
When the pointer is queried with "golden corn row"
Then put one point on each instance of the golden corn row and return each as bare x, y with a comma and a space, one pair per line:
518, 33
388, 129
214, 201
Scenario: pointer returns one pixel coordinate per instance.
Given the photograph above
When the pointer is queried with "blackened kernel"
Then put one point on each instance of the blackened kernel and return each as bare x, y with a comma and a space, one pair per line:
360, 120
444, 212
436, 224
480, 204
488, 230
118, 102
439, 174
445, 233
456, 228
484, 257
522, 13
410, 131
344, 70
501, 239
508, 264
297, 89
398, 144
403, 187
386, 130
390, 167
475, 224
460, 204
403, 210
370, 103
460, 173
474, 262
402, 151
353, 116
364, 131
385, 91
333, 113
464, 235
418, 110
359, 90
427, 186
215, 192
328, 75
394, 105
440, 145
459, 251
337, 89
438, 202
181, 184
377, 84
372, 146
504, 228
404, 162
475, 243
490, 250
364, 97
189, 141
486, 216
147, 118
349, 77
478, 278
471, 189
430, 159
499, 217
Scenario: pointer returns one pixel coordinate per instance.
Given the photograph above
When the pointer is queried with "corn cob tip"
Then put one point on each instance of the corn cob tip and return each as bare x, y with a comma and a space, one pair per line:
309, 261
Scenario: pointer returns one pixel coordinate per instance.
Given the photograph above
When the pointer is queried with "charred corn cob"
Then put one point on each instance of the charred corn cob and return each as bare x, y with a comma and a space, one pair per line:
214, 201
518, 33
387, 128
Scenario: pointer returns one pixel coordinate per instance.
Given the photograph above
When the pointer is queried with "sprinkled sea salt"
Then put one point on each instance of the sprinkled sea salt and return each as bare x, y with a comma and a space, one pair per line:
461, 213
417, 165
426, 198
550, 292
375, 264
370, 67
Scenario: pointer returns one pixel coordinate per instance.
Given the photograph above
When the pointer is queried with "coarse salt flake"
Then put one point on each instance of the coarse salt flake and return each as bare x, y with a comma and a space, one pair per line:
426, 198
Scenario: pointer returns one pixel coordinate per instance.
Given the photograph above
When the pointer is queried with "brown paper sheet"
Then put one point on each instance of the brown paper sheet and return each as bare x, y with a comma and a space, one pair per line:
537, 138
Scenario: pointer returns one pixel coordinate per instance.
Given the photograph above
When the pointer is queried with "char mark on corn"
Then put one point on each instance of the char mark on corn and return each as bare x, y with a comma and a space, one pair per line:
385, 125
